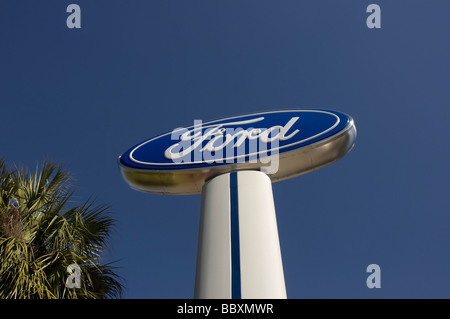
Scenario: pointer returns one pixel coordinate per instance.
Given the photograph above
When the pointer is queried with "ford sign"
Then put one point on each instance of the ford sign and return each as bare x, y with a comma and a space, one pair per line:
283, 144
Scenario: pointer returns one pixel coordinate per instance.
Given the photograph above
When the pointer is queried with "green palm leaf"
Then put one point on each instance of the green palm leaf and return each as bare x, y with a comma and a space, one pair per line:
41, 235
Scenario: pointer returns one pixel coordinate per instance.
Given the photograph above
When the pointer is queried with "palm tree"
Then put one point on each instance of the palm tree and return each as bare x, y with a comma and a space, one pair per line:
43, 239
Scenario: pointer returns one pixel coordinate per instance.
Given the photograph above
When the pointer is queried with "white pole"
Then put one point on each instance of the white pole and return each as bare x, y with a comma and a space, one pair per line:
239, 253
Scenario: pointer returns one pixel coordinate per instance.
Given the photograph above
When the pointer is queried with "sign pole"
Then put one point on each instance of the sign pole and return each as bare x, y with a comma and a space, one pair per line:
239, 253
226, 160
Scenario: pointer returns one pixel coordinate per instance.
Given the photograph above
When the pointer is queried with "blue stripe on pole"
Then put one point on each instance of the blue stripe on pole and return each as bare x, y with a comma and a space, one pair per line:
235, 250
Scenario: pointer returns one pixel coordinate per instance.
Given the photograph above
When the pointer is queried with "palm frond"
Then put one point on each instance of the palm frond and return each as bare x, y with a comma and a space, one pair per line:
41, 235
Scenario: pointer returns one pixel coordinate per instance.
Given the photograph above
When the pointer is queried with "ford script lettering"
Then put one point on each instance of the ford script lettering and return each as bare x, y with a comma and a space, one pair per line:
219, 137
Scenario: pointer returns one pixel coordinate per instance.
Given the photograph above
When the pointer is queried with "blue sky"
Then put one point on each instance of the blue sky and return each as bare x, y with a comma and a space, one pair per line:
135, 69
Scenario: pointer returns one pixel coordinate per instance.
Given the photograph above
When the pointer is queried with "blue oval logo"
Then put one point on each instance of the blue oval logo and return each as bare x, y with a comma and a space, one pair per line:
239, 139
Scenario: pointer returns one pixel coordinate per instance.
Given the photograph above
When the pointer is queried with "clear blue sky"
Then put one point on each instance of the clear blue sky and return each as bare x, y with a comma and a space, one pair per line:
81, 97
